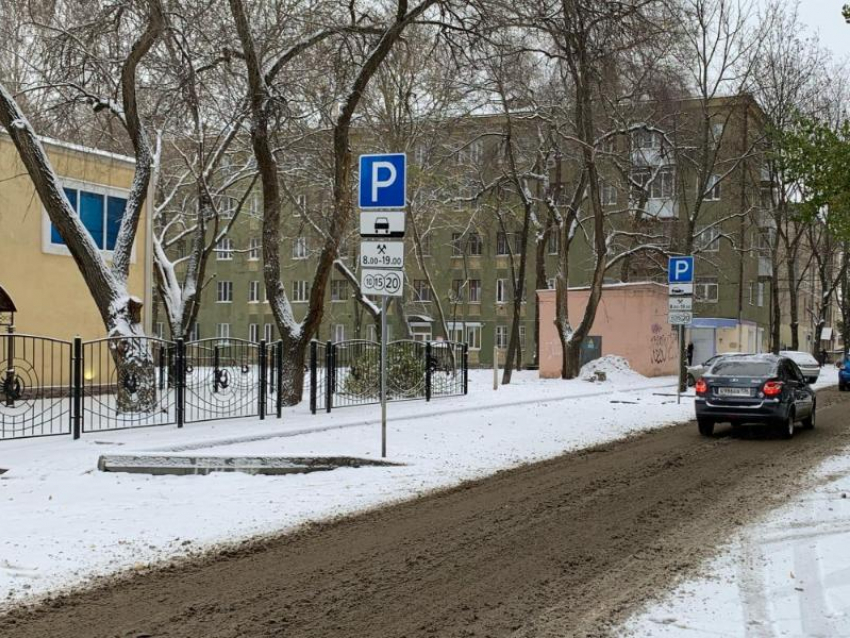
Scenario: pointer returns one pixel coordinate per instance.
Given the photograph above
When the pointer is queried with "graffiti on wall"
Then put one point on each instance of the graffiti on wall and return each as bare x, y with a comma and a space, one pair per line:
662, 346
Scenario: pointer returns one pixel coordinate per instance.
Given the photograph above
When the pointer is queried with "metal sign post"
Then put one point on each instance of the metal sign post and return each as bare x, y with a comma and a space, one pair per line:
680, 278
382, 196
384, 376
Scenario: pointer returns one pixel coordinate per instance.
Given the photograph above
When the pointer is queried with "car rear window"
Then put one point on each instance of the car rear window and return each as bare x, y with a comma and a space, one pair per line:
736, 367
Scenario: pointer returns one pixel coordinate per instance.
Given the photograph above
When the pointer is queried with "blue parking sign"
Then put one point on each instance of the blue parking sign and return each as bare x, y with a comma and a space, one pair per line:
383, 181
680, 270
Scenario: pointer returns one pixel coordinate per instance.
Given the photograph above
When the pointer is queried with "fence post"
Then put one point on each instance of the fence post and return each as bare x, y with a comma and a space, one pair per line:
314, 349
465, 359
180, 385
263, 371
77, 389
279, 380
216, 362
428, 371
329, 376
163, 350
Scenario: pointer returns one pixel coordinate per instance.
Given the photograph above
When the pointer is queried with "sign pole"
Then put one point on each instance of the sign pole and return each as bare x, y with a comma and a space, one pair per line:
384, 377
679, 371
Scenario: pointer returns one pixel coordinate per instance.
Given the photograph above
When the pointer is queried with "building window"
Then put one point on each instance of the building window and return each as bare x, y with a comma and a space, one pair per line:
712, 190
644, 139
608, 194
421, 333
470, 333
752, 292
522, 336
254, 206
502, 244
458, 289
160, 330
421, 291
662, 186
457, 245
470, 244
299, 248
299, 291
224, 291
339, 332
339, 290
371, 332
760, 300
254, 249
224, 249
554, 241
268, 332
717, 132
195, 333
253, 332
101, 214
501, 291
551, 283
501, 337
706, 290
474, 244
253, 292
474, 291
227, 207
425, 245
708, 239
222, 331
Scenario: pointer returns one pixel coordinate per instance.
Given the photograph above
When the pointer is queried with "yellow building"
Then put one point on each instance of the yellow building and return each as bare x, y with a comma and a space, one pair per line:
36, 268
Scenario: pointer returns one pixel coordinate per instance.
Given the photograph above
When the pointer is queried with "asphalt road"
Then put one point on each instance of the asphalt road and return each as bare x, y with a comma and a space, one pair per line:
567, 547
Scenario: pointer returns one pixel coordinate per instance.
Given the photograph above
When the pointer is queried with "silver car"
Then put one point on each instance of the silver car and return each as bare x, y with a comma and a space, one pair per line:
809, 366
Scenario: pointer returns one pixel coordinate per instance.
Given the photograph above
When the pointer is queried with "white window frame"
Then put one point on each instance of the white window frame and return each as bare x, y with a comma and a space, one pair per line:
224, 249
254, 332
300, 291
268, 330
341, 284
501, 337
713, 190
501, 291
222, 331
224, 291
708, 239
254, 248
339, 332
702, 292
254, 291
300, 249
608, 195
417, 290
473, 289
551, 283
760, 295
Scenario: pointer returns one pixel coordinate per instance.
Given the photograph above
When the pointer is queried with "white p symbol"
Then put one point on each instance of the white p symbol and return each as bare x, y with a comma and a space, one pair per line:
681, 268
381, 183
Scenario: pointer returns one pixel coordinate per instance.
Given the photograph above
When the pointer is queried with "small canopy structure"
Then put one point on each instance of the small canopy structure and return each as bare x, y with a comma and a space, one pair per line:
7, 308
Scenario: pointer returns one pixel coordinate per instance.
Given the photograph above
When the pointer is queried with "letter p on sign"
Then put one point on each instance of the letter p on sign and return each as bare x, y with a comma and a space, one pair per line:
383, 181
680, 270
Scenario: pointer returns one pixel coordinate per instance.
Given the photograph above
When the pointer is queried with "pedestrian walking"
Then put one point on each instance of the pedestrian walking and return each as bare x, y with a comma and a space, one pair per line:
690, 352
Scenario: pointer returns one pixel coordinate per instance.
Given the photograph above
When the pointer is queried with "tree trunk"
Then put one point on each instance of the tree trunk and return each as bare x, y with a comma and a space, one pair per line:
793, 305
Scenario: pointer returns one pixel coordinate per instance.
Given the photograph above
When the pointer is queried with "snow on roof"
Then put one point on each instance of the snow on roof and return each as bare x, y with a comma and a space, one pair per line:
49, 141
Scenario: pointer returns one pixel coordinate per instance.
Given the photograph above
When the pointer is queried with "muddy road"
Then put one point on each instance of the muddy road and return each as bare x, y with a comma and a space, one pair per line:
566, 547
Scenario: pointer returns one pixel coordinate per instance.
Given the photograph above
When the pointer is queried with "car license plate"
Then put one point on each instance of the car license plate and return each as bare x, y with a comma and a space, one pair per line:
734, 392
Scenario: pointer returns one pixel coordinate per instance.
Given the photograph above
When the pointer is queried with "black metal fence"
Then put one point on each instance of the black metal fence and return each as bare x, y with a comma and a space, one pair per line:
348, 372
50, 387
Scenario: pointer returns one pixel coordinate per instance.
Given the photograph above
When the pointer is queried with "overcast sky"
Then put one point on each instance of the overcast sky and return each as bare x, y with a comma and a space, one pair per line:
824, 17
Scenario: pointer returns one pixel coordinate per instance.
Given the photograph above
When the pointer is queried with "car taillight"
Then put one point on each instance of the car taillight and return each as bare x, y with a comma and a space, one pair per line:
772, 388
701, 387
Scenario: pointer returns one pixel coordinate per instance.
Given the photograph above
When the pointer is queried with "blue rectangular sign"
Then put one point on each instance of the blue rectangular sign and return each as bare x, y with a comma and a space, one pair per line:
680, 270
383, 181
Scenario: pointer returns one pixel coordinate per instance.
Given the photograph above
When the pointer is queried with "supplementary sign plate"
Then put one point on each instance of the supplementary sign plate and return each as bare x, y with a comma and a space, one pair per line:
680, 318
381, 225
677, 290
681, 304
382, 254
382, 283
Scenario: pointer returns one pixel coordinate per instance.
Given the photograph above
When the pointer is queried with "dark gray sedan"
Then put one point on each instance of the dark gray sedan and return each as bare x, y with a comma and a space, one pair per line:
763, 389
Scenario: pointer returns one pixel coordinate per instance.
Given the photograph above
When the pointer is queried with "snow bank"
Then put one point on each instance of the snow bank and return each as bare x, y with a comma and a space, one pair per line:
611, 367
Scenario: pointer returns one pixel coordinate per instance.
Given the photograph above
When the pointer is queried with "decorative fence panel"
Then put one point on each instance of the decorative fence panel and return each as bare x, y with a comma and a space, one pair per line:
128, 382
349, 372
36, 389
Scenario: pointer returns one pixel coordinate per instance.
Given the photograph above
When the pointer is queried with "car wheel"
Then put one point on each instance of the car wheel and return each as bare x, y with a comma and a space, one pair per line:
809, 422
706, 428
691, 381
813, 380
786, 427
842, 387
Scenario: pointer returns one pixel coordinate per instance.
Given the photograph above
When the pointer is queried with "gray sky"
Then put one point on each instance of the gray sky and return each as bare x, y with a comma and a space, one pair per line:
824, 17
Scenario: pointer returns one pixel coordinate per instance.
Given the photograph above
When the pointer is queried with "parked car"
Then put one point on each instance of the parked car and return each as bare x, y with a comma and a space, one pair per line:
764, 389
806, 362
696, 371
844, 374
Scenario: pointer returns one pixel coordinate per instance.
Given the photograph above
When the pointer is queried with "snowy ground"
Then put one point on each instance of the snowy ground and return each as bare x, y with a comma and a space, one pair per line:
786, 576
64, 522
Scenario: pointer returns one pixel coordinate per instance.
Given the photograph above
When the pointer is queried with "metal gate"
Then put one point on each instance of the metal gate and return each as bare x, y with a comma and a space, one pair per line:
36, 390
